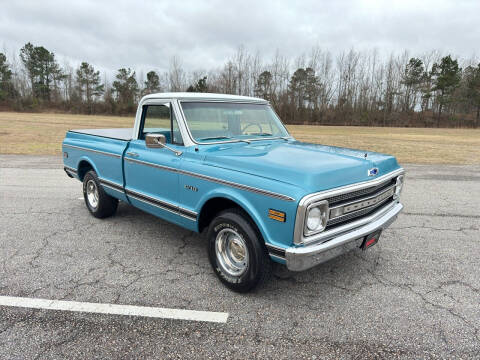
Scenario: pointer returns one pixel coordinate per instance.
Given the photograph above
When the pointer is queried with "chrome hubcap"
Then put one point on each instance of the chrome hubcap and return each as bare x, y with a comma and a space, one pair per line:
92, 194
231, 252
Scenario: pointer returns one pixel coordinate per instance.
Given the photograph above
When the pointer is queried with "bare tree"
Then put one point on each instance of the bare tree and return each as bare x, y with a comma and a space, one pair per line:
352, 88
176, 75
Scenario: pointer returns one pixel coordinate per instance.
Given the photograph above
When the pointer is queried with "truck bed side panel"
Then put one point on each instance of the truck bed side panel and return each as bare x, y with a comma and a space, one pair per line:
103, 154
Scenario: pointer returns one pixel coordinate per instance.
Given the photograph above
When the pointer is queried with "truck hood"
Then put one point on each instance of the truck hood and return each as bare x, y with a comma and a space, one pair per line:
309, 166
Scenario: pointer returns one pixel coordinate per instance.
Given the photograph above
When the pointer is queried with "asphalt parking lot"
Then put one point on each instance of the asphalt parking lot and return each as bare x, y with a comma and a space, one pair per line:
414, 295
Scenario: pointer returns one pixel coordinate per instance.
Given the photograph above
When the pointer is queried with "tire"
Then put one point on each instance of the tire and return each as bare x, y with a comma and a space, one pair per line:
98, 202
237, 252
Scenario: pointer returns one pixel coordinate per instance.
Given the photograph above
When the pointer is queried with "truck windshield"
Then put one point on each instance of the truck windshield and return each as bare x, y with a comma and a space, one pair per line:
218, 122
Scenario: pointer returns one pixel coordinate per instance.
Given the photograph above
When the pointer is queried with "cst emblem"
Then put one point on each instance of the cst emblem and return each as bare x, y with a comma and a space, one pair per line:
373, 172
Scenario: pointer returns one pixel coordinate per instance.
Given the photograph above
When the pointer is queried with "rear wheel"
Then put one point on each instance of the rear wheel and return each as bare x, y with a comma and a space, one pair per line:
99, 203
236, 251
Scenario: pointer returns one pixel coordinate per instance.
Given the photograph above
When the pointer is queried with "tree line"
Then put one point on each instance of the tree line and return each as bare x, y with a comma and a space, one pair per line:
351, 88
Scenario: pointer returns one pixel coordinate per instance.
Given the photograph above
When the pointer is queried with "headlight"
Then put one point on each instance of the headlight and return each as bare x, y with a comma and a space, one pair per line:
316, 217
399, 186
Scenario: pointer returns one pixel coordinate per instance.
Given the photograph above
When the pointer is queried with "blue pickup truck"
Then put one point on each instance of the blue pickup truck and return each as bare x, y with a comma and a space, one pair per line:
227, 165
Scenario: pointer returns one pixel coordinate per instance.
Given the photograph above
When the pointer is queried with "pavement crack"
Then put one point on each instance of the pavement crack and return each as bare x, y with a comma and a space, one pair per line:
21, 319
441, 215
7, 259
8, 214
184, 241
461, 229
71, 337
45, 244
457, 282
409, 287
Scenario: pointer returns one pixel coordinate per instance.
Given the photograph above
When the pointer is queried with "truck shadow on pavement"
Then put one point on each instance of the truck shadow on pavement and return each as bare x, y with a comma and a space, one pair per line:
348, 272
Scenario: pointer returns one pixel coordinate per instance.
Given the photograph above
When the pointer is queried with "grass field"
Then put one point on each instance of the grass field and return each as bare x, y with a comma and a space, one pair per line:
42, 134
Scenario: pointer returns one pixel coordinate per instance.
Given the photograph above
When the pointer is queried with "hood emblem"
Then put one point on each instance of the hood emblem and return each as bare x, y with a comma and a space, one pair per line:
373, 172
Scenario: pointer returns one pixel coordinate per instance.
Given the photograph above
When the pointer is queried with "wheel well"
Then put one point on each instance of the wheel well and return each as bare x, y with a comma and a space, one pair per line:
214, 206
83, 168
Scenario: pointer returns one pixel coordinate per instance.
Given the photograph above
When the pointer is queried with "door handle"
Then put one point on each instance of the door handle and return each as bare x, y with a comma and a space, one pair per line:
133, 154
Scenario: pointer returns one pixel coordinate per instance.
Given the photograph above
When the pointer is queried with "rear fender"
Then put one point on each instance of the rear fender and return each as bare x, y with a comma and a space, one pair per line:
86, 158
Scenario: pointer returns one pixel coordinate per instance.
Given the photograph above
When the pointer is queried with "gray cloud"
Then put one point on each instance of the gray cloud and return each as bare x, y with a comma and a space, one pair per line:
203, 34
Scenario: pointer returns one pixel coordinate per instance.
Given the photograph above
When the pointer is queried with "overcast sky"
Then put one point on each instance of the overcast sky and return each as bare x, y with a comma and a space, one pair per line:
204, 34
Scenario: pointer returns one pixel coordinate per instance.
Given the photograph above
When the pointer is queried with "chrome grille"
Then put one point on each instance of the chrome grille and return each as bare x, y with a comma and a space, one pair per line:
354, 195
356, 214
366, 200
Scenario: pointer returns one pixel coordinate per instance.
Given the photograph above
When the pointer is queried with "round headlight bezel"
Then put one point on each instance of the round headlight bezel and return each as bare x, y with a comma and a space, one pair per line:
323, 207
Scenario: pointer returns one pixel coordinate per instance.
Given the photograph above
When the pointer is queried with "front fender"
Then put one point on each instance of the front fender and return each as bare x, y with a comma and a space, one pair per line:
270, 230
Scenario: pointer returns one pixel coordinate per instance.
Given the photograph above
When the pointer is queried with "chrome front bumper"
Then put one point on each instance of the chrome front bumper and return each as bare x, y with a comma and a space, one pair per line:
305, 257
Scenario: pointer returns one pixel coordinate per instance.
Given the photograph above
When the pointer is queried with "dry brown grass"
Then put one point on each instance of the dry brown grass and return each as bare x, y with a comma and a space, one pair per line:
409, 145
24, 133
42, 134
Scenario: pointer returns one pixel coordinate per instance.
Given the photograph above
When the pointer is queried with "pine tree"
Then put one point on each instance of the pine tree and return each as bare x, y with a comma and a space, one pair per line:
152, 85
43, 70
88, 82
472, 84
446, 77
263, 86
126, 89
412, 79
201, 86
297, 88
6, 85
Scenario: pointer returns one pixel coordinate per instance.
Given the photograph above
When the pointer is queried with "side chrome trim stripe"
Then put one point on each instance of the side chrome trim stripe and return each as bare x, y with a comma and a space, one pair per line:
276, 256
191, 215
276, 251
188, 214
112, 185
112, 188
141, 162
216, 180
70, 169
95, 151
239, 186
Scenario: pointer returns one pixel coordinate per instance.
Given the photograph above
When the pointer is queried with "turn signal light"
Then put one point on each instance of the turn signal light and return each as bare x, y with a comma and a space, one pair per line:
277, 215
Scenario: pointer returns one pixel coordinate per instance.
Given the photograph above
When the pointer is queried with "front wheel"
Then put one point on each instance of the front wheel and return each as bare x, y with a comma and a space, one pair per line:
99, 203
236, 251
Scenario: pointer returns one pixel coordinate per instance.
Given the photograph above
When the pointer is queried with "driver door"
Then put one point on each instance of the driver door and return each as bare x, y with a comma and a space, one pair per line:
150, 176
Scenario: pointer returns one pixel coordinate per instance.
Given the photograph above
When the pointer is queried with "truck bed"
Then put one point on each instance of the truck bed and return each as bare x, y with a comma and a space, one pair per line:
124, 134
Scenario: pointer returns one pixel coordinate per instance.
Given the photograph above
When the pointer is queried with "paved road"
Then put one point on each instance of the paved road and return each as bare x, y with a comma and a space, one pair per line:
415, 294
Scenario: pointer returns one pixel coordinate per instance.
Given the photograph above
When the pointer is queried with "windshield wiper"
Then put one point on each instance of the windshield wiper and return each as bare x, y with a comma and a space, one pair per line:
286, 138
223, 138
215, 138
261, 134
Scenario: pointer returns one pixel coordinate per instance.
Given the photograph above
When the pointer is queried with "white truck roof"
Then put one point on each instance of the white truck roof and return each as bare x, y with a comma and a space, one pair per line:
203, 96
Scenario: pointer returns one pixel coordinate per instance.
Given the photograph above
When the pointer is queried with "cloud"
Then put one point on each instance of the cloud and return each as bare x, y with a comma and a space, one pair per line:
146, 34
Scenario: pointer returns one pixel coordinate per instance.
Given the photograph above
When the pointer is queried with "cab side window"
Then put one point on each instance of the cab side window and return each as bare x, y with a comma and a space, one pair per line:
160, 119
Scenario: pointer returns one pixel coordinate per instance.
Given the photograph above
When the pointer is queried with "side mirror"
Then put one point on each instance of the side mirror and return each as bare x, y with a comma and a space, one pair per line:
155, 141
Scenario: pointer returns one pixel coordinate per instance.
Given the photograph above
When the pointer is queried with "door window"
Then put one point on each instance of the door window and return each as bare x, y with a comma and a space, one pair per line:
160, 119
